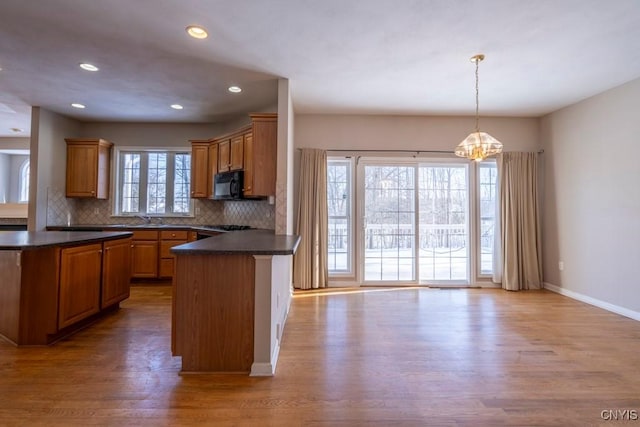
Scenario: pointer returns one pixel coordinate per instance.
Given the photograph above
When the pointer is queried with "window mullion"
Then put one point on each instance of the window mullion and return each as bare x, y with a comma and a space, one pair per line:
170, 174
144, 172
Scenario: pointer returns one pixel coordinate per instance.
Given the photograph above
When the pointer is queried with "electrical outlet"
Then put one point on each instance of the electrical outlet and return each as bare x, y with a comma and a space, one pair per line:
561, 266
96, 211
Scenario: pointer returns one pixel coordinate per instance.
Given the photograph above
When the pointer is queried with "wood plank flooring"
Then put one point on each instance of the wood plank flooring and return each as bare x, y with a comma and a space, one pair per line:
374, 357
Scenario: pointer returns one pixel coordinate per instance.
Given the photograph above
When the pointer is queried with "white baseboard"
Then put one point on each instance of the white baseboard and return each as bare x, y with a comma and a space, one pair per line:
592, 301
345, 284
262, 370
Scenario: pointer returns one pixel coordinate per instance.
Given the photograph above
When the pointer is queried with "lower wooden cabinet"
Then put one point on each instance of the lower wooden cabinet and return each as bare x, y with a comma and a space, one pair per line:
80, 274
169, 239
144, 254
47, 293
116, 272
151, 256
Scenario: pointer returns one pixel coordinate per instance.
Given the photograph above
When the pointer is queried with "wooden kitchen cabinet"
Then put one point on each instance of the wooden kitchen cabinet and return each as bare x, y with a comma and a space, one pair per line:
116, 271
169, 239
236, 159
251, 148
80, 275
260, 156
213, 166
88, 167
230, 153
200, 182
49, 292
224, 161
247, 189
144, 254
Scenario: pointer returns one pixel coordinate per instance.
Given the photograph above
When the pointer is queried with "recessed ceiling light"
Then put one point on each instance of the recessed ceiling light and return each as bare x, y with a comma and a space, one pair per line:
235, 89
76, 105
17, 130
197, 32
88, 67
177, 106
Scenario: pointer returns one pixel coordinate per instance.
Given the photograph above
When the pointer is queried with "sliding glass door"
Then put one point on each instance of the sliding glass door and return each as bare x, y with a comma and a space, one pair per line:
415, 223
443, 219
389, 223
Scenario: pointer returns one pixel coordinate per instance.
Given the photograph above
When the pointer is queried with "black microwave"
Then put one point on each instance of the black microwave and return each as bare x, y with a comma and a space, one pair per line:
228, 185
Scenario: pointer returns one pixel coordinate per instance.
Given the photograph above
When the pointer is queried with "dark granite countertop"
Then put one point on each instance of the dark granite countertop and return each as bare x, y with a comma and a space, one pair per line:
255, 242
19, 240
115, 227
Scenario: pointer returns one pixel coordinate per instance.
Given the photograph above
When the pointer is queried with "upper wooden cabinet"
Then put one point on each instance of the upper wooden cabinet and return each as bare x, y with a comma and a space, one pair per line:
200, 182
88, 166
230, 153
252, 148
260, 157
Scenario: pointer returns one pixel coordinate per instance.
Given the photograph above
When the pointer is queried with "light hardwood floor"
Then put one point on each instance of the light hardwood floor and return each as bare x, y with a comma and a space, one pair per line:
374, 357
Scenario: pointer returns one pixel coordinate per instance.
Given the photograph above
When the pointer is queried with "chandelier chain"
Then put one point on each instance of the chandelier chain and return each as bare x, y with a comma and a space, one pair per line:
477, 98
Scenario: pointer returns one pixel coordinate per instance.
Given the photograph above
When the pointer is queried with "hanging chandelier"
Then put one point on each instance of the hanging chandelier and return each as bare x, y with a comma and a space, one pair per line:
478, 145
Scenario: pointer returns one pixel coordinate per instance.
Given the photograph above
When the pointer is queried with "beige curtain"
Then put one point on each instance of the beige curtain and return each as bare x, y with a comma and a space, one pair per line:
520, 225
310, 261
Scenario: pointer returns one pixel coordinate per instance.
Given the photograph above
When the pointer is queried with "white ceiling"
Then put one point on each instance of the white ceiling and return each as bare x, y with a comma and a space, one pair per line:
341, 56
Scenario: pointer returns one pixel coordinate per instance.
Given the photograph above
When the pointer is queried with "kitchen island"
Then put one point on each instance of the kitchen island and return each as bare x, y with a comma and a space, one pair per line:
231, 297
54, 282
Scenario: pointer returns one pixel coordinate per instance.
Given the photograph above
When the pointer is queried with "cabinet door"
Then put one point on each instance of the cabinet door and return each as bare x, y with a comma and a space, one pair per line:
265, 145
248, 165
224, 161
236, 156
213, 166
80, 269
116, 271
82, 170
144, 258
199, 170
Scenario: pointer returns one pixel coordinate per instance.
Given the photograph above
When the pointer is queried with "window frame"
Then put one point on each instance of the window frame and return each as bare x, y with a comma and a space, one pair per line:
478, 208
351, 250
24, 181
473, 216
118, 170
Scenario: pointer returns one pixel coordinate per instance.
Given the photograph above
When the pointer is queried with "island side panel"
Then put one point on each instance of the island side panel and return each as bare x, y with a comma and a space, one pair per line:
10, 295
39, 308
214, 312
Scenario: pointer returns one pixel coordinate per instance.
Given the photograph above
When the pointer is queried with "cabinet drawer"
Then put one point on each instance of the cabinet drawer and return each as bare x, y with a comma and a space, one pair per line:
174, 234
166, 245
145, 234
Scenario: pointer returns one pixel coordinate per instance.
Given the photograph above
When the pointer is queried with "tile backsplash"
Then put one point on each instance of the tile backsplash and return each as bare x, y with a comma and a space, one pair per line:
255, 213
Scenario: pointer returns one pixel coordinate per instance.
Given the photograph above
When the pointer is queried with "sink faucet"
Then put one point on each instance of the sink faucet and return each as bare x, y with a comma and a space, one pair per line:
145, 218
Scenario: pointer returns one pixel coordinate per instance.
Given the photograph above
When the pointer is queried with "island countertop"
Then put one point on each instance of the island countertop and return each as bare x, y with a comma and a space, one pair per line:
254, 242
20, 240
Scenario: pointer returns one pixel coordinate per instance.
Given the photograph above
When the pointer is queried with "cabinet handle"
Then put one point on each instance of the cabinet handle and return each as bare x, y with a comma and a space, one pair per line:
132, 246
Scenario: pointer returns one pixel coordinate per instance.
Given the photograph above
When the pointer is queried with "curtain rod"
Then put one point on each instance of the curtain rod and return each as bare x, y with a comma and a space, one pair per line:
393, 151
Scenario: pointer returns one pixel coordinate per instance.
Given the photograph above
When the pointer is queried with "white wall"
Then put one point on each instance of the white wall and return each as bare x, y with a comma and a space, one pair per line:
48, 160
409, 132
14, 176
7, 143
150, 134
370, 132
591, 218
5, 178
284, 176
